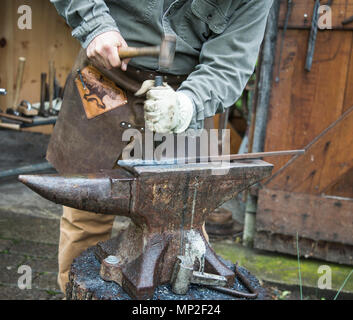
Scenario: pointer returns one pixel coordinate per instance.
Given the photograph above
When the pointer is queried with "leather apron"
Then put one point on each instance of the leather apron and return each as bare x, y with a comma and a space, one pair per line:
82, 145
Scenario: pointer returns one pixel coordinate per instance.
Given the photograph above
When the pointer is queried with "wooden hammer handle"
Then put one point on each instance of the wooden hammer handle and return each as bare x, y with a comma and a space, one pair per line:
131, 52
19, 78
10, 126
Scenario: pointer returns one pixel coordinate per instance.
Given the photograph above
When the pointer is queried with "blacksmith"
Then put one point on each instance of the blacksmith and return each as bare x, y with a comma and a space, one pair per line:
217, 47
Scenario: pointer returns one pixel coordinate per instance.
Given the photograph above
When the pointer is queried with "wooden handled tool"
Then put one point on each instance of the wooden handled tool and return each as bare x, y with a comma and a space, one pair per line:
19, 78
165, 51
26, 109
131, 52
11, 126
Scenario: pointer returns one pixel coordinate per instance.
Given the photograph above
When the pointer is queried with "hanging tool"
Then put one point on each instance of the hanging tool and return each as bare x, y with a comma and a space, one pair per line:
19, 78
285, 27
347, 21
3, 92
312, 37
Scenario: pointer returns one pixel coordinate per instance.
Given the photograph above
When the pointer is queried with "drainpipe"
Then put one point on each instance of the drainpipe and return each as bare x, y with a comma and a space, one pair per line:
261, 103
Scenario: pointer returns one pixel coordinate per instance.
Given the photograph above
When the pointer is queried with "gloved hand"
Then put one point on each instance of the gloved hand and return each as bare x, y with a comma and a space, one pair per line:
166, 111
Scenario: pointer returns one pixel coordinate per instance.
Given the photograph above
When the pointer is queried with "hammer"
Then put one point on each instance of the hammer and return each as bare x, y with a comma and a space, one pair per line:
165, 51
184, 275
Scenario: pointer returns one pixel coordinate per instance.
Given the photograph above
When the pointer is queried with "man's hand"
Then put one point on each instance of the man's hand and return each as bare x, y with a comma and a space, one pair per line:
104, 50
166, 111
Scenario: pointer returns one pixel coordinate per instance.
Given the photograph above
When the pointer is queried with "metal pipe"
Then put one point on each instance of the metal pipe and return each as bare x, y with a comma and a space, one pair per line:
262, 102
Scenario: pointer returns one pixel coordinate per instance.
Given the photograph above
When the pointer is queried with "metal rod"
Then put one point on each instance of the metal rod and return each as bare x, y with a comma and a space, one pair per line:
244, 156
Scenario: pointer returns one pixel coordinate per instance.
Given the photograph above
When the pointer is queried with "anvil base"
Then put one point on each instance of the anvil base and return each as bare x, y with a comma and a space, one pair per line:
85, 283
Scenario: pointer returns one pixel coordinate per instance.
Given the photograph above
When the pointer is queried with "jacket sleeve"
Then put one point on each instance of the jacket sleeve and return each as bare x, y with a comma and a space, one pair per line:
227, 61
87, 18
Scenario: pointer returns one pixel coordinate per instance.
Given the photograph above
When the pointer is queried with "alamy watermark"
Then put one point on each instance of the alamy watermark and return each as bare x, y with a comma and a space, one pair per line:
325, 280
325, 19
25, 280
203, 146
24, 21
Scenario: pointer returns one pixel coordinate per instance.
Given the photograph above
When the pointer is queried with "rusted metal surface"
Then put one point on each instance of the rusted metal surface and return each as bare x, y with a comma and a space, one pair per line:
166, 204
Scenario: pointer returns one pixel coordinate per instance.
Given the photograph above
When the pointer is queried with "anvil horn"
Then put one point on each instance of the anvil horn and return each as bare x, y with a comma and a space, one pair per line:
100, 193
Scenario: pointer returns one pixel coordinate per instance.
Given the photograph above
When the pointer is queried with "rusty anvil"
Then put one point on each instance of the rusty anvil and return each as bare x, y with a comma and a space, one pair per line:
166, 204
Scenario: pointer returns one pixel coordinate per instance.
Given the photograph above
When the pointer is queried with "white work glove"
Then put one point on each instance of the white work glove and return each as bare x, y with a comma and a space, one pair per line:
166, 111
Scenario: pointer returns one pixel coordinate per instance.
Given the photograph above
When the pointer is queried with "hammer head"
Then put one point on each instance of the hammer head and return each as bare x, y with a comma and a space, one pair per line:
167, 51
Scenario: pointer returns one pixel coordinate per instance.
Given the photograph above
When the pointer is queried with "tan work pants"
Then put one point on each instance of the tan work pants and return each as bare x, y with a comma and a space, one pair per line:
79, 230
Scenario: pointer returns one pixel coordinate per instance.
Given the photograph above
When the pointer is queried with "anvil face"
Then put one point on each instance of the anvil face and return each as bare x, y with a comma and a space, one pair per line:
164, 203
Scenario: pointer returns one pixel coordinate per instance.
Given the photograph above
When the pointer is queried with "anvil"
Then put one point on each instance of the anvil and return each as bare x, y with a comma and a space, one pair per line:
168, 205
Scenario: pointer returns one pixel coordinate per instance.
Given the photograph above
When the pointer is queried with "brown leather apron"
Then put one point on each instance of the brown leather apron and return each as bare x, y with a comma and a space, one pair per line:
82, 145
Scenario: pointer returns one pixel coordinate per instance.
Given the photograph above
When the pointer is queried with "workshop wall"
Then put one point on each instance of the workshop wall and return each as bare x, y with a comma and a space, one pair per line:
313, 193
49, 38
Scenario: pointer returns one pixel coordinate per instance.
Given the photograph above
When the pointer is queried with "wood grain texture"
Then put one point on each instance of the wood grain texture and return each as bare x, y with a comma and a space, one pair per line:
325, 162
341, 10
348, 92
50, 38
304, 103
343, 187
328, 251
319, 218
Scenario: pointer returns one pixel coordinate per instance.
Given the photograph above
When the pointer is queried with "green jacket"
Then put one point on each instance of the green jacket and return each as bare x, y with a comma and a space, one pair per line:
218, 41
